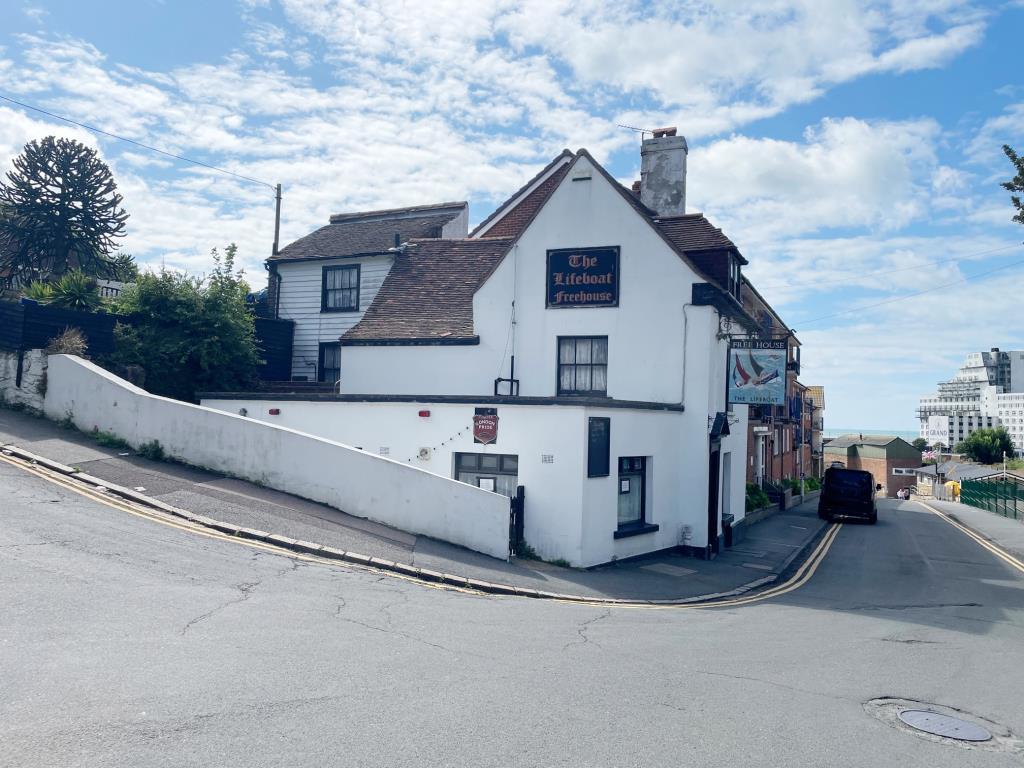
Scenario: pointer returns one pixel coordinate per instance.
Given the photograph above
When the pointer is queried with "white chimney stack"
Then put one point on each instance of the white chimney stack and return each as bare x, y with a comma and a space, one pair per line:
663, 173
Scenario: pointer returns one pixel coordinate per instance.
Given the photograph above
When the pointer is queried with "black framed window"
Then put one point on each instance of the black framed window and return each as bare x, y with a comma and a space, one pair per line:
582, 365
329, 369
498, 473
632, 493
340, 289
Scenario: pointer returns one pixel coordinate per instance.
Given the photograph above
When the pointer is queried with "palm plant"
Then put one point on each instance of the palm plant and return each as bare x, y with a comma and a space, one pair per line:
38, 291
76, 290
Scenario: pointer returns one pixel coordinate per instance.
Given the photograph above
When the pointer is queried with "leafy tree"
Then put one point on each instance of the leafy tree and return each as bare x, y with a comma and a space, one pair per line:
76, 290
1016, 185
59, 210
189, 334
122, 267
986, 446
920, 443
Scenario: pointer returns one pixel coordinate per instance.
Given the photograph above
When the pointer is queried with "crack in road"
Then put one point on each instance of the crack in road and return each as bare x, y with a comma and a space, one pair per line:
56, 542
582, 629
772, 683
246, 588
912, 606
393, 631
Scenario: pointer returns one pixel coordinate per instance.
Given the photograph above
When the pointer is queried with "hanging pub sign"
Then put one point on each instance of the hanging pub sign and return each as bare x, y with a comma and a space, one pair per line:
485, 425
757, 371
583, 277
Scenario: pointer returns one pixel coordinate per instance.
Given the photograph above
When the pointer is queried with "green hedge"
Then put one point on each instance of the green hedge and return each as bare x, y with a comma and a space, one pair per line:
756, 498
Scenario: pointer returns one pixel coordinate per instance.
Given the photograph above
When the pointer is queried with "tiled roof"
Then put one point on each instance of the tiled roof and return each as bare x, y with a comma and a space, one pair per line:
562, 158
693, 232
432, 209
369, 232
517, 220
845, 441
428, 294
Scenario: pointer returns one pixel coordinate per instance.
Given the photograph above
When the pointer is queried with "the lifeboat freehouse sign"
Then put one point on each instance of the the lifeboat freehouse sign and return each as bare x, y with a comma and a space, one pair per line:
583, 277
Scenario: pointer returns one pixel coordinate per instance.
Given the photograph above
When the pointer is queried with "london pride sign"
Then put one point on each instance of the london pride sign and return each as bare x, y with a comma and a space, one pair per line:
583, 277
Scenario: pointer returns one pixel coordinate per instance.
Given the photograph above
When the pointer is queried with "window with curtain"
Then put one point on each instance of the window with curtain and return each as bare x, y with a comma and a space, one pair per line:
329, 370
582, 365
340, 289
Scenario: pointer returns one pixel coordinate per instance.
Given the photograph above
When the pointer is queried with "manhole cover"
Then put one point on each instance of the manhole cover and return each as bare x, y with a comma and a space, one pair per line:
943, 725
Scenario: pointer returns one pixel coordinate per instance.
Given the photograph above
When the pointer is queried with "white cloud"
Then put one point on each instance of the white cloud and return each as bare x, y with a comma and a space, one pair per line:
1007, 128
891, 355
845, 173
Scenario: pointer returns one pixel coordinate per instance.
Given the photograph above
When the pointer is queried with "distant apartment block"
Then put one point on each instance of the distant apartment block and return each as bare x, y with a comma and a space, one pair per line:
979, 396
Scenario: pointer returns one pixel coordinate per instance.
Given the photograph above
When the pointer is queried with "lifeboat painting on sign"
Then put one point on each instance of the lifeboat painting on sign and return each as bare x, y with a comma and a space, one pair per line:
757, 372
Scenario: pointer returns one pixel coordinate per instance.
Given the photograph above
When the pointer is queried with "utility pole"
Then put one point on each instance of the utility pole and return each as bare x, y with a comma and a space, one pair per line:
277, 218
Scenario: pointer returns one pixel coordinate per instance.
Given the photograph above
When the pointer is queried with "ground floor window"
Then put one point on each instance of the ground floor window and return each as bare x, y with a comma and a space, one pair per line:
494, 472
632, 491
329, 369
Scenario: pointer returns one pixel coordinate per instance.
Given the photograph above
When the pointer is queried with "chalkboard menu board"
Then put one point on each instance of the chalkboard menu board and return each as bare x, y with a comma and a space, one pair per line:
599, 447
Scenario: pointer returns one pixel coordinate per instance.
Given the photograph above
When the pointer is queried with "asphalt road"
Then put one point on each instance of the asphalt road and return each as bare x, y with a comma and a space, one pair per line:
124, 642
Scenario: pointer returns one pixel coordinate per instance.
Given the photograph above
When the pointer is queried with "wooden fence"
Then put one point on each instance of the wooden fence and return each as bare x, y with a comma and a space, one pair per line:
32, 326
27, 325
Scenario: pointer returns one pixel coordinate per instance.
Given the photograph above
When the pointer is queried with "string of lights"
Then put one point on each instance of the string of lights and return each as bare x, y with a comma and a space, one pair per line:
467, 429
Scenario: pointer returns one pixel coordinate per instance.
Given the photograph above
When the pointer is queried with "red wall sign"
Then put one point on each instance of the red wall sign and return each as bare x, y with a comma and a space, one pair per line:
485, 426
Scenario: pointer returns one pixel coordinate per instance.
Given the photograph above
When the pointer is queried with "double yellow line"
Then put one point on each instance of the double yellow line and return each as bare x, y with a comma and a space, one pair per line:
797, 580
801, 577
163, 518
1002, 554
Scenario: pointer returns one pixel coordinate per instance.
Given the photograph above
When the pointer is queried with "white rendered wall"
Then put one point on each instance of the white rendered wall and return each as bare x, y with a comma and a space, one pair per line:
568, 515
354, 481
301, 290
33, 378
645, 347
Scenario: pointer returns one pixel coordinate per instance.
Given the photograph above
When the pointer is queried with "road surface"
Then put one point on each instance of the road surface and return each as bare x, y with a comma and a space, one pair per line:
125, 642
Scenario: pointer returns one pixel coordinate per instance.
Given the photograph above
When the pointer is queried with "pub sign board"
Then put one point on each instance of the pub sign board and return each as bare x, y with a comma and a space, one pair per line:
583, 277
485, 425
757, 371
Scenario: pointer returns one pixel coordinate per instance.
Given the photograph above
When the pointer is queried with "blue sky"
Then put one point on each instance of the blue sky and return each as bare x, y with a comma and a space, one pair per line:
851, 149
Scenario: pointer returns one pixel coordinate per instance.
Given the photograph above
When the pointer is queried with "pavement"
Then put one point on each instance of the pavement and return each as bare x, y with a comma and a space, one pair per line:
1002, 531
770, 548
127, 642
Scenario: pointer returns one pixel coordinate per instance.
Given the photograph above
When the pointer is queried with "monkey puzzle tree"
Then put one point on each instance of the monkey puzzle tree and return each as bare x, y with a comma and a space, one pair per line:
59, 210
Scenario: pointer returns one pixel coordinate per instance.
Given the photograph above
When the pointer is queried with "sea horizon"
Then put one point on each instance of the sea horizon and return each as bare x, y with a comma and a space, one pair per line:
906, 434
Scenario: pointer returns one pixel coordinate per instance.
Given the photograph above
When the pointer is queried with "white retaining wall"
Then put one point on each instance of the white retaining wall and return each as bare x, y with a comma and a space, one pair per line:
322, 470
33, 379
568, 514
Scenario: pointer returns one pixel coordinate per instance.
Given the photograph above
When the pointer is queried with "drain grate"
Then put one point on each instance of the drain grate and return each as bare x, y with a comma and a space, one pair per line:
948, 727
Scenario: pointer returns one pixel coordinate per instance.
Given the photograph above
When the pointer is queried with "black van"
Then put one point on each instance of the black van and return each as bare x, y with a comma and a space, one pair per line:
848, 493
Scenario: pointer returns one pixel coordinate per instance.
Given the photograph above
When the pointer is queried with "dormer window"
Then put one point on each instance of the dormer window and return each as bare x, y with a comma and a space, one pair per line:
734, 277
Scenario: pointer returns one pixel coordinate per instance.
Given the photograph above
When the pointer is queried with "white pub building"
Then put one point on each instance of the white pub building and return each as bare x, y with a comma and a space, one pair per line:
573, 344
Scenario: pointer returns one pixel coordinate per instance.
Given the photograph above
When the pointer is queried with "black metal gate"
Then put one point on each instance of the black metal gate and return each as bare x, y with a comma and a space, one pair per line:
517, 508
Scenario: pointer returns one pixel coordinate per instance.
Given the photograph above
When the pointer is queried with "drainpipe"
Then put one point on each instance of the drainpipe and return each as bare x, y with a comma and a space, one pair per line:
682, 393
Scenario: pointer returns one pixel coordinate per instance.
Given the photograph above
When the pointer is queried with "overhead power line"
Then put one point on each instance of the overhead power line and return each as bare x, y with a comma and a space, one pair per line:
906, 296
933, 262
94, 129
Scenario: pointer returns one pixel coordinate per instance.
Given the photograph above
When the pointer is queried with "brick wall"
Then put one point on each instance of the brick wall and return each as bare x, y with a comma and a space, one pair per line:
881, 469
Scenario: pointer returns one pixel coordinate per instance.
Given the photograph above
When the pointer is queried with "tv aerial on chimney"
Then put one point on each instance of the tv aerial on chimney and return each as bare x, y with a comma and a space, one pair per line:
641, 131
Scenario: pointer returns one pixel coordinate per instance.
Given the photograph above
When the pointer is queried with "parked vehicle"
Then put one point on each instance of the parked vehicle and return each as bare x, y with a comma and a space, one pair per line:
848, 493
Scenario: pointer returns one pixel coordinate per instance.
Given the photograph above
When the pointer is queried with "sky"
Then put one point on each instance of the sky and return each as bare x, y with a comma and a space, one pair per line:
851, 149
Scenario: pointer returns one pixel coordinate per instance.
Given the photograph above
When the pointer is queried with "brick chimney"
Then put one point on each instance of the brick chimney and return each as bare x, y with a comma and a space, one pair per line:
663, 172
